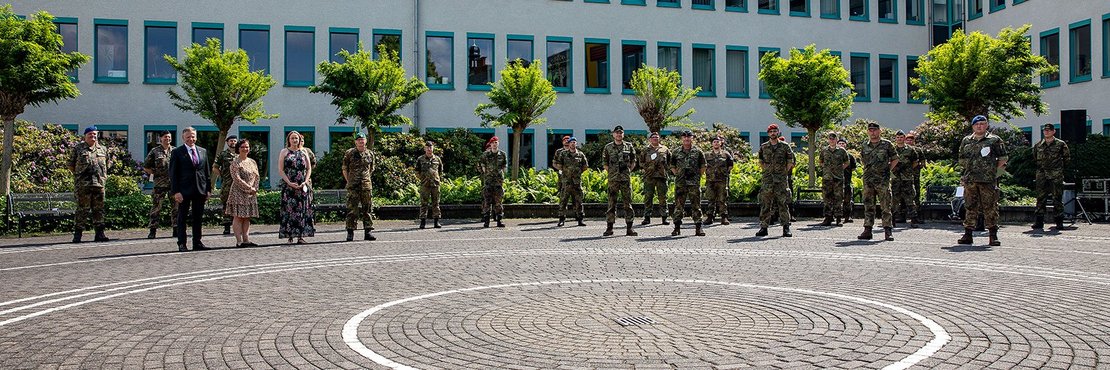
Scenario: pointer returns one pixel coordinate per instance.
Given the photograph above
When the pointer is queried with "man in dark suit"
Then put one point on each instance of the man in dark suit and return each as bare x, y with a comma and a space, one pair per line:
189, 184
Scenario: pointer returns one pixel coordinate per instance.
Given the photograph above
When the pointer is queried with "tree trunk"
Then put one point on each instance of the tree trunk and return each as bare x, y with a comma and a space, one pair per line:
812, 151
6, 167
220, 142
371, 136
517, 134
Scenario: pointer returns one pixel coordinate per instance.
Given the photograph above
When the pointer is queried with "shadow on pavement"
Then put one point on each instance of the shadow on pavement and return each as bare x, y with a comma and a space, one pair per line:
968, 248
858, 243
751, 239
586, 238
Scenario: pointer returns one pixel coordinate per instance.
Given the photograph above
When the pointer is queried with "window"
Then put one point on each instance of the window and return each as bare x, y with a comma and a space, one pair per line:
702, 4
997, 5
631, 2
67, 27
857, 10
911, 75
204, 31
113, 135
670, 56
255, 40
161, 39
705, 69
300, 68
799, 8
974, 9
633, 56
597, 66
1079, 51
1050, 49
391, 39
555, 142
558, 63
479, 61
736, 71
861, 72
736, 5
915, 12
763, 88
111, 50
340, 39
888, 78
1027, 132
259, 135
888, 11
527, 148
519, 47
1106, 45
439, 60
668, 4
152, 138
335, 134
768, 6
830, 9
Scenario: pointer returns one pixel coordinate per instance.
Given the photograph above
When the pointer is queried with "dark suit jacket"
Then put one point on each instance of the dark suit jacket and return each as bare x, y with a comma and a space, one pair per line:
186, 178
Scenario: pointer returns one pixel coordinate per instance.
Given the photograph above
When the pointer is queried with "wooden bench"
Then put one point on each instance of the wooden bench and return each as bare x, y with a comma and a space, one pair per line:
798, 196
40, 206
329, 200
938, 194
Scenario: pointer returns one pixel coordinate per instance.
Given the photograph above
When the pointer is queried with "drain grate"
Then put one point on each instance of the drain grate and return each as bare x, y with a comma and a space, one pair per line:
635, 320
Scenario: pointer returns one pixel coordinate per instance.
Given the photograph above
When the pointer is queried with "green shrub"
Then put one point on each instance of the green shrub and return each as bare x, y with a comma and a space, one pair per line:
1089, 159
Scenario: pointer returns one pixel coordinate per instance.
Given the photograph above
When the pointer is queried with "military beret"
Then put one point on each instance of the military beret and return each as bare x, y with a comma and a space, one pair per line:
566, 138
1049, 126
618, 128
231, 137
900, 133
686, 133
653, 134
572, 138
872, 125
831, 134
842, 141
719, 138
772, 127
429, 143
90, 129
360, 135
979, 118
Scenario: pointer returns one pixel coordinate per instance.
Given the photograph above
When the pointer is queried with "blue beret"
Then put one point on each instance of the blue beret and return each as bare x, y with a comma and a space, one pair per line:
979, 118
572, 138
90, 129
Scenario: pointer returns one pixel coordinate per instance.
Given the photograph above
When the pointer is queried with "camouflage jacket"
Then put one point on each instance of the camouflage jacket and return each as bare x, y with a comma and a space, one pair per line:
556, 158
833, 161
689, 165
776, 158
223, 163
90, 165
158, 162
876, 160
1051, 158
979, 158
907, 158
655, 161
491, 167
619, 161
573, 164
920, 160
718, 165
359, 167
428, 169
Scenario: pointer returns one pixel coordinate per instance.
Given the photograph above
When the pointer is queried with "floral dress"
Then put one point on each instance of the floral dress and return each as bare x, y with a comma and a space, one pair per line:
296, 204
240, 201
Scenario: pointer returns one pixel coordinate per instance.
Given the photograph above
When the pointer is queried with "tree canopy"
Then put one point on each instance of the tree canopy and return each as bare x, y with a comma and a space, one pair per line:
517, 100
659, 96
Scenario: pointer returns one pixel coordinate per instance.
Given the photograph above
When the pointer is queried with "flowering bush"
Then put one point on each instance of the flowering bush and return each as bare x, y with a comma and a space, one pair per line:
40, 159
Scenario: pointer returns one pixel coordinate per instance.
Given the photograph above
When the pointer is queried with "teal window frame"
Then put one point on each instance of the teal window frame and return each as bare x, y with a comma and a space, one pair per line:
70, 126
831, 15
909, 95
667, 44
569, 88
759, 57
596, 1
529, 38
712, 92
1073, 61
207, 26
806, 13
269, 49
866, 97
305, 29
73, 76
866, 17
894, 79
1106, 45
893, 12
342, 31
302, 130
374, 33
146, 44
641, 43
1045, 83
971, 13
995, 8
450, 85
668, 4
634, 2
743, 8
746, 94
776, 11
492, 56
1019, 1
921, 22
712, 5
1106, 126
96, 51
608, 65
747, 137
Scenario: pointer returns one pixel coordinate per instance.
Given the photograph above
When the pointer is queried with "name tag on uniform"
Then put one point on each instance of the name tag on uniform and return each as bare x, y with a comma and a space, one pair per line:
653, 155
985, 151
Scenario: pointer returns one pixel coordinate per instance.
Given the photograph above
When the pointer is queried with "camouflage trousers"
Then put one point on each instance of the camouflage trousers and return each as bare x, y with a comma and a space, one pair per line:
90, 202
655, 188
880, 190
571, 193
225, 191
359, 204
161, 196
716, 193
981, 198
1050, 189
832, 190
492, 196
619, 191
681, 194
848, 201
903, 194
774, 197
917, 199
429, 201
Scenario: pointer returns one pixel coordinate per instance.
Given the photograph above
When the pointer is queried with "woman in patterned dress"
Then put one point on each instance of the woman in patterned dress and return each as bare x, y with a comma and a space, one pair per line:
242, 200
295, 168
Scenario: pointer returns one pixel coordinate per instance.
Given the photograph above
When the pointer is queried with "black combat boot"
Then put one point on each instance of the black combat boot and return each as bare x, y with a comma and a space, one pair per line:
967, 238
423, 222
100, 235
350, 234
646, 221
1038, 222
888, 234
786, 231
1059, 222
993, 241
77, 235
366, 235
153, 233
608, 229
628, 230
677, 228
828, 221
665, 219
838, 221
762, 232
915, 223
725, 221
697, 230
562, 221
499, 224
175, 231
227, 229
435, 223
866, 235
579, 219
485, 221
708, 220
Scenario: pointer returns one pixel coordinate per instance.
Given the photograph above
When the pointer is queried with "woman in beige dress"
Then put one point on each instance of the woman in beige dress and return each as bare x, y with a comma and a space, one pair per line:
242, 200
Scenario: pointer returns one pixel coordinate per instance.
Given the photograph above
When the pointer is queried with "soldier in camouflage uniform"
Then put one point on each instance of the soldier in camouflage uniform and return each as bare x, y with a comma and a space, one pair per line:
719, 163
157, 166
777, 162
358, 165
1051, 155
89, 164
428, 170
573, 163
222, 170
655, 158
834, 160
848, 174
910, 141
688, 165
902, 190
879, 157
555, 164
491, 167
619, 159
982, 156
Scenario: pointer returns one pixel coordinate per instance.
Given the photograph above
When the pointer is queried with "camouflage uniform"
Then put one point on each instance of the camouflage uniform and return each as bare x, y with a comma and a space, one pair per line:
573, 163
1051, 159
491, 167
359, 166
428, 169
620, 160
849, 194
876, 160
687, 183
158, 162
832, 179
917, 178
558, 170
223, 163
979, 160
654, 161
90, 165
776, 158
901, 183
718, 165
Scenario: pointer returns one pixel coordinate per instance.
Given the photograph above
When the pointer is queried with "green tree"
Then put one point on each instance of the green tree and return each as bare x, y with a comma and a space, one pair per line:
34, 72
811, 90
659, 95
219, 86
978, 74
367, 90
517, 100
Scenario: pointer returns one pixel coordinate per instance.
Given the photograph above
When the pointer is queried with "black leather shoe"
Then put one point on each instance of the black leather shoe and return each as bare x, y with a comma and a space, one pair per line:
181, 248
200, 247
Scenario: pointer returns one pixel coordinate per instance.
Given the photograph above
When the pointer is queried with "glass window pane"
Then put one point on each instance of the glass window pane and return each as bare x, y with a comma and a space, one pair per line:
859, 76
857, 8
769, 4
887, 69
479, 61
736, 70
702, 2
1081, 51
762, 86
116, 138
940, 12
1050, 49
519, 49
558, 63
976, 6
160, 41
799, 6
830, 8
201, 35
886, 9
69, 42
111, 51
391, 42
341, 41
911, 75
670, 58
597, 66
703, 69
735, 4
632, 58
914, 12
439, 61
527, 149
298, 57
257, 45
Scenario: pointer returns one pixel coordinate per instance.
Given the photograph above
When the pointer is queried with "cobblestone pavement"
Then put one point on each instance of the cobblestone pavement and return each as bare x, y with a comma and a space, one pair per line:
536, 296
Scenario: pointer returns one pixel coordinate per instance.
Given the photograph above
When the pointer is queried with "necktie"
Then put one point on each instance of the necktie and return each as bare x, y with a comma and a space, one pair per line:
193, 153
